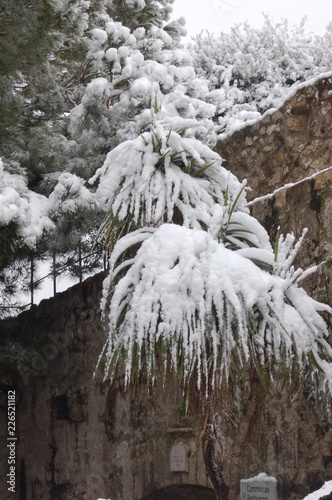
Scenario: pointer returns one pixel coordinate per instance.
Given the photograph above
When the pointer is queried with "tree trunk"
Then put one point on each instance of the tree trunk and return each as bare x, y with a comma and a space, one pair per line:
218, 483
256, 396
229, 491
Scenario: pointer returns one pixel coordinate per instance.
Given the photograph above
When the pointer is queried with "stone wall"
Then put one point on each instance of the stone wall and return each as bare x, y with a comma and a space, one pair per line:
80, 438
305, 205
292, 143
275, 155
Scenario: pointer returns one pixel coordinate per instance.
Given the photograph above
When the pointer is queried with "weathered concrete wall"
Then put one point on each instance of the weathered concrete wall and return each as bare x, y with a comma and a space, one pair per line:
80, 438
77, 437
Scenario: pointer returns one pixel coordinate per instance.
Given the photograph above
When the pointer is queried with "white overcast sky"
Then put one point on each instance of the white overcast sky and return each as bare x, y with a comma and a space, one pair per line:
220, 15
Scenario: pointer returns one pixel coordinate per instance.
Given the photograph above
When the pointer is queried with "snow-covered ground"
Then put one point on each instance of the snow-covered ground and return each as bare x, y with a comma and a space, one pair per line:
322, 492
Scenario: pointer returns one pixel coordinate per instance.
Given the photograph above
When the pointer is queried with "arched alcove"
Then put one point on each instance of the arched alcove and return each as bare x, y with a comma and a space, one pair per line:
181, 492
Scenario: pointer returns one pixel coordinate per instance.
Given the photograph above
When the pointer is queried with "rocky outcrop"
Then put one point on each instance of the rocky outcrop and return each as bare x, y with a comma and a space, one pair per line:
276, 155
81, 438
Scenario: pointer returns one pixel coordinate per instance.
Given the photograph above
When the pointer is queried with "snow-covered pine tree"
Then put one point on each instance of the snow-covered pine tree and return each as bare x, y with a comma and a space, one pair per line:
49, 63
126, 66
36, 56
23, 220
130, 42
43, 74
40, 43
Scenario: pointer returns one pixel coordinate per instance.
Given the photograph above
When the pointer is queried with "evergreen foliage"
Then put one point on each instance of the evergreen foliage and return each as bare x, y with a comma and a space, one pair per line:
107, 125
103, 91
251, 70
35, 57
44, 71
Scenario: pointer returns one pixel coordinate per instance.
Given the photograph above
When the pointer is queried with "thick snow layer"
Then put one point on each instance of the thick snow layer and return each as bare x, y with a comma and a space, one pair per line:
253, 71
160, 173
187, 290
262, 476
70, 195
240, 119
19, 205
137, 70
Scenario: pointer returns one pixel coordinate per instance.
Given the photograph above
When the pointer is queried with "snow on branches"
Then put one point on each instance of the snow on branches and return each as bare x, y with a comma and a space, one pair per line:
189, 301
27, 210
195, 286
162, 177
253, 70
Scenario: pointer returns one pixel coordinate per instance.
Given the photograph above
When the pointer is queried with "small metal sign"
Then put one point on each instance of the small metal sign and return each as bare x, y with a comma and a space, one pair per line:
261, 487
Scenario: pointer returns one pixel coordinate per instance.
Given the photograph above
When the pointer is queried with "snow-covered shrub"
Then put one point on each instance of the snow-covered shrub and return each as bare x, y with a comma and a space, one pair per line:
161, 177
70, 195
195, 286
253, 70
209, 307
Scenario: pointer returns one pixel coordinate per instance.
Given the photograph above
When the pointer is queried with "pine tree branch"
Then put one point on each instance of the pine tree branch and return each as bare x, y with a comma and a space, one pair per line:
29, 4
